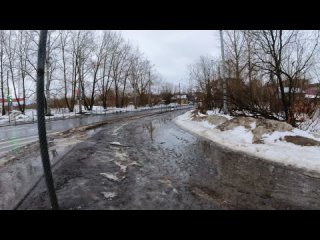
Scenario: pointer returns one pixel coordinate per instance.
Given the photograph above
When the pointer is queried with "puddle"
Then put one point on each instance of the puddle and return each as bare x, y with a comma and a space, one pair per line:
23, 168
153, 126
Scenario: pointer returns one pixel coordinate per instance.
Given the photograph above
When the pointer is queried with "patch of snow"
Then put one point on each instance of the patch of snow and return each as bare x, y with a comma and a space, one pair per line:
238, 135
273, 137
273, 149
216, 113
311, 125
109, 195
207, 125
22, 117
4, 118
111, 177
123, 168
253, 125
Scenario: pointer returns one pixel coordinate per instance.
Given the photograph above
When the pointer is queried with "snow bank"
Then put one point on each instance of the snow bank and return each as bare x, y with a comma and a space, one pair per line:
216, 113
274, 147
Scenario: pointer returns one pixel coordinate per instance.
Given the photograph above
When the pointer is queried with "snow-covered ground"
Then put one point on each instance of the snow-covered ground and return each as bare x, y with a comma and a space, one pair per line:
312, 124
273, 148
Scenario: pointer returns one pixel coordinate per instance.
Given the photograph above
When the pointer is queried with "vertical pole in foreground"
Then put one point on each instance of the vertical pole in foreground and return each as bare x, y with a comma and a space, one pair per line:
41, 120
225, 108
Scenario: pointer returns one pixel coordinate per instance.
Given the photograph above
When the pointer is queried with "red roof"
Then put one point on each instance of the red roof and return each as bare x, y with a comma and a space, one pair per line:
13, 100
312, 91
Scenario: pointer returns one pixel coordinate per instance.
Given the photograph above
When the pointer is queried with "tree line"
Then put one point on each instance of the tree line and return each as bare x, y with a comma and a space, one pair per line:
96, 67
266, 72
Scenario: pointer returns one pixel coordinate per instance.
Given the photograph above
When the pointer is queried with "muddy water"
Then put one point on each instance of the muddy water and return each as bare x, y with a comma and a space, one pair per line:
24, 168
239, 181
151, 163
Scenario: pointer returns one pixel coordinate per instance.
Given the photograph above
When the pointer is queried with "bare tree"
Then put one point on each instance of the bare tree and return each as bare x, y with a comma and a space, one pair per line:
206, 76
83, 64
235, 49
287, 55
64, 37
108, 59
50, 65
95, 63
11, 46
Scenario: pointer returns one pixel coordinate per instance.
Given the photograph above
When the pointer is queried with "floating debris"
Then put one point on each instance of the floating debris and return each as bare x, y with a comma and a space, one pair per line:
112, 177
115, 143
123, 168
109, 195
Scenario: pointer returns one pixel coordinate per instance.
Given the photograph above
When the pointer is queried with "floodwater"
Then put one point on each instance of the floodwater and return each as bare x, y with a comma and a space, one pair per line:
151, 163
24, 168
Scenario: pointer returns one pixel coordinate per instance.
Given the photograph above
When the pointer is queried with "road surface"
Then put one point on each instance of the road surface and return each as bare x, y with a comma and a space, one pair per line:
139, 164
151, 163
13, 137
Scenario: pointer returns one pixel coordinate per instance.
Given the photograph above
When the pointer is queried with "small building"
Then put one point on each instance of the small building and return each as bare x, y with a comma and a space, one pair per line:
14, 101
180, 97
312, 92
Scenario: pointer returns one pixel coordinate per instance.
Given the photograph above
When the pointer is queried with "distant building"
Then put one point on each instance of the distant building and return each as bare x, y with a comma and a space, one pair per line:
182, 97
14, 101
312, 92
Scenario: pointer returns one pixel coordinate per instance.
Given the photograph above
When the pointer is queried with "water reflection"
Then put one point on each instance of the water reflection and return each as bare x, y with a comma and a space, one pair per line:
54, 152
20, 175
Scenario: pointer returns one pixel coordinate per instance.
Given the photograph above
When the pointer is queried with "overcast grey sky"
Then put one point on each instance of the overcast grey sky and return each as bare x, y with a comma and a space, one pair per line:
171, 51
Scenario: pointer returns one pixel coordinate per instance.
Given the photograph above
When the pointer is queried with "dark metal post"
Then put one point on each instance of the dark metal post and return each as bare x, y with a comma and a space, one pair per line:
41, 120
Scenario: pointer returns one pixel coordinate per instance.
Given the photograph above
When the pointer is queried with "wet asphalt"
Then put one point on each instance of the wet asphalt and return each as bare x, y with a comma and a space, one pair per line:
140, 164
13, 137
152, 164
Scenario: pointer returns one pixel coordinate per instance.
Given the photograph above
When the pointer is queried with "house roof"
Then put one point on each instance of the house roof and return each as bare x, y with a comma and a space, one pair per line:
296, 90
182, 96
312, 91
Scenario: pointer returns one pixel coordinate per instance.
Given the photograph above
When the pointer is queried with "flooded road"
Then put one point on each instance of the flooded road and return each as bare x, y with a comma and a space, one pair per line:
22, 169
142, 164
151, 163
13, 137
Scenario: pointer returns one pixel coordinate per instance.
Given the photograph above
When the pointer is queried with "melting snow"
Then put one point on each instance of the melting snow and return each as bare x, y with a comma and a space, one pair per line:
109, 195
111, 177
273, 149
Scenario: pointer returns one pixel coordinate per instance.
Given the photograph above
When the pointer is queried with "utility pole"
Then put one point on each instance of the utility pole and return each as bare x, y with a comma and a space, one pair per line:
79, 96
149, 100
8, 92
135, 94
179, 94
3, 111
1, 77
48, 90
48, 110
79, 83
135, 88
225, 108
